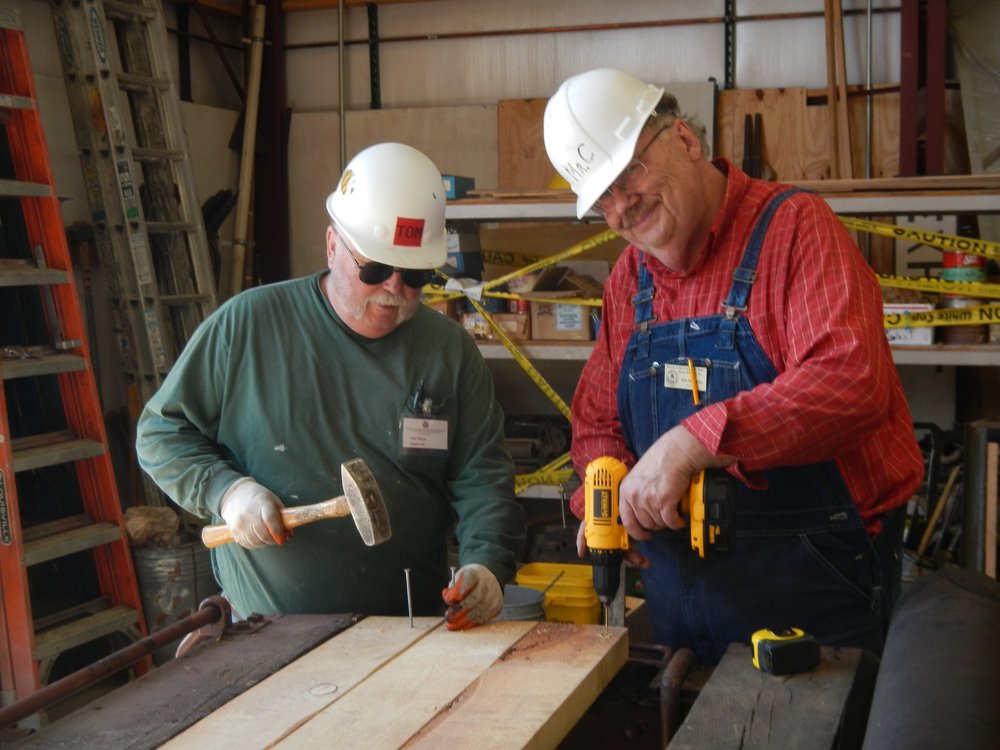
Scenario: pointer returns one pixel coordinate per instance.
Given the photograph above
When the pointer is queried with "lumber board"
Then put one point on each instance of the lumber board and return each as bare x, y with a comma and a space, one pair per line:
149, 711
266, 712
384, 684
534, 696
743, 707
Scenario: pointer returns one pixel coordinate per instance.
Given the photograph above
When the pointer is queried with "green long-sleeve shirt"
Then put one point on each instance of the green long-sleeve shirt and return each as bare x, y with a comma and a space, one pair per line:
275, 386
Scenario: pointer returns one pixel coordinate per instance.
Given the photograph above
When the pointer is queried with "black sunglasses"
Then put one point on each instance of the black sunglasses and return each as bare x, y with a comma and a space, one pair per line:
373, 272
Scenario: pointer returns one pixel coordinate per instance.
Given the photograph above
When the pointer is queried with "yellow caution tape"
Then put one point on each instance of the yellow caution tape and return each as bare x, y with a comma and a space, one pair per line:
550, 471
505, 258
524, 481
952, 316
938, 286
547, 300
524, 362
551, 260
940, 240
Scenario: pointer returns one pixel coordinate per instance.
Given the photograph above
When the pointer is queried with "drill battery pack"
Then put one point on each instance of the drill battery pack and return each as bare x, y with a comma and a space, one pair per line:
784, 651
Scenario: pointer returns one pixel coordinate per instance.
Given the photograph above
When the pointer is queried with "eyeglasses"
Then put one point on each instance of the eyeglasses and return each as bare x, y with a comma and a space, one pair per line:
373, 272
634, 170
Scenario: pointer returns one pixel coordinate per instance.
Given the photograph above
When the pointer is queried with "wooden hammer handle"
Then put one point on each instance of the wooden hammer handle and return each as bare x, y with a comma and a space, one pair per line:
213, 536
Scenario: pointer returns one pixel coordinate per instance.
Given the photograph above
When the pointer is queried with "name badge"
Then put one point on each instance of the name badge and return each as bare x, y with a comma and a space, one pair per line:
421, 433
679, 376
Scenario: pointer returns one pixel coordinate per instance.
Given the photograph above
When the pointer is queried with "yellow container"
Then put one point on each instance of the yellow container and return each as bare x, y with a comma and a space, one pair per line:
571, 599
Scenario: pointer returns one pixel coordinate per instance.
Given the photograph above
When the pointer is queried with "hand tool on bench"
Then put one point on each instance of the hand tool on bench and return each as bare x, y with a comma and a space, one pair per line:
362, 500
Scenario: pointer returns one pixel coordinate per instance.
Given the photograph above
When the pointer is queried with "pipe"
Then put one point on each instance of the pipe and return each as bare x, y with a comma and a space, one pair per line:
573, 29
341, 84
70, 684
671, 682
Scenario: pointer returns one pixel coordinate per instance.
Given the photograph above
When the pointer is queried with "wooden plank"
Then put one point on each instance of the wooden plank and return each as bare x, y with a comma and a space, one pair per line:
268, 711
534, 696
149, 711
990, 556
843, 124
743, 707
417, 685
522, 161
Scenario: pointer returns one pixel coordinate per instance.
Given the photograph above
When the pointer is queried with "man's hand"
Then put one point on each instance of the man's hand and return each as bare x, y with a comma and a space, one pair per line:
473, 599
650, 495
253, 513
633, 558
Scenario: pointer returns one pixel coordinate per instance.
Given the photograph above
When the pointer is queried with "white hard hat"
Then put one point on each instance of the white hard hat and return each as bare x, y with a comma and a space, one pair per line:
390, 204
591, 127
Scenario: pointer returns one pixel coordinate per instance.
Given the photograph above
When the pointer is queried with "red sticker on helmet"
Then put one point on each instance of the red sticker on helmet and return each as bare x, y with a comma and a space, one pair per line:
409, 232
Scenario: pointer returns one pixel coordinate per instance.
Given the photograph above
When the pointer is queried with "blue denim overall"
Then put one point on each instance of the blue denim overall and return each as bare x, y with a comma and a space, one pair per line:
801, 556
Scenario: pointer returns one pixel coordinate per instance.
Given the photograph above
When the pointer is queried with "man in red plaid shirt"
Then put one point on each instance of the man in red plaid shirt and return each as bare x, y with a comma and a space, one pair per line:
759, 291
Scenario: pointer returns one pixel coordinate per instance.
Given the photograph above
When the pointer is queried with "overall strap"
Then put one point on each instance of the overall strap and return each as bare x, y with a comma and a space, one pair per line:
746, 273
642, 301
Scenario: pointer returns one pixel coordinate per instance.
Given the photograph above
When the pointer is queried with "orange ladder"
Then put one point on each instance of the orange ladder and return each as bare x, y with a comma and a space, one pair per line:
60, 514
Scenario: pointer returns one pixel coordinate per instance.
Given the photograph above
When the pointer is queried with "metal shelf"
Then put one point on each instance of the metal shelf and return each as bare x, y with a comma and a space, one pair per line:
985, 355
966, 201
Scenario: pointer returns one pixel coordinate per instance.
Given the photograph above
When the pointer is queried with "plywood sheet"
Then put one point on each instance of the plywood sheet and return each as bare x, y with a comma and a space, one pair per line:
797, 131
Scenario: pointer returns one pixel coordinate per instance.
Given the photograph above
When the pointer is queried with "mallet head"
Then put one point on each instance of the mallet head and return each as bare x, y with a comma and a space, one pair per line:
365, 501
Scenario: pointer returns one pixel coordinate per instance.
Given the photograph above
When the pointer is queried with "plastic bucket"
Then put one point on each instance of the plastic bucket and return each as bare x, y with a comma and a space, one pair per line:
173, 581
522, 603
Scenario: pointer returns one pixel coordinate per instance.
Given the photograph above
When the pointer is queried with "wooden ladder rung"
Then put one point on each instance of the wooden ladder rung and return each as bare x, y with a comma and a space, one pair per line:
168, 227
41, 364
133, 82
156, 154
54, 546
14, 272
52, 642
38, 451
178, 300
21, 189
127, 11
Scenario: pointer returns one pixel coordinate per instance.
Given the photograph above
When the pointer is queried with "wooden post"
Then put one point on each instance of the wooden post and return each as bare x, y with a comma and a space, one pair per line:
241, 229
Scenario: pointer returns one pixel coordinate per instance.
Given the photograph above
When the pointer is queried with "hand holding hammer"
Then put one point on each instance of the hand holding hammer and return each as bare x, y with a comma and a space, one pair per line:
362, 500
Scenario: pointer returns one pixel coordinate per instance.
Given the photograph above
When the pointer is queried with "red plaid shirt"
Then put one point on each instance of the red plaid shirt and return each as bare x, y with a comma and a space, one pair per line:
816, 310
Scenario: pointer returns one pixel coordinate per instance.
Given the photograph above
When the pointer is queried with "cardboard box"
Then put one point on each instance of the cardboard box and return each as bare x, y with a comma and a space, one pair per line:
553, 321
457, 187
465, 253
452, 308
517, 326
920, 336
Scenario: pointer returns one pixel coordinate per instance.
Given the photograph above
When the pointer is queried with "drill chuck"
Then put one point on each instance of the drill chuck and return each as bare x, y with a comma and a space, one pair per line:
607, 566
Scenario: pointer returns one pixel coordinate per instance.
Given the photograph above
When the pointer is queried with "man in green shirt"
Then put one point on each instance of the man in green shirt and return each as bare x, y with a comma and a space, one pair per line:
287, 381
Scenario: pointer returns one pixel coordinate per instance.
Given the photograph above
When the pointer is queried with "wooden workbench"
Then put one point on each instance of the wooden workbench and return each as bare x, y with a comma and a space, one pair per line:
740, 706
379, 683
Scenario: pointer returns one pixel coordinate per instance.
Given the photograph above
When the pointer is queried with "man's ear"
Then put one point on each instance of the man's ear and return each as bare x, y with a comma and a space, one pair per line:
690, 140
331, 246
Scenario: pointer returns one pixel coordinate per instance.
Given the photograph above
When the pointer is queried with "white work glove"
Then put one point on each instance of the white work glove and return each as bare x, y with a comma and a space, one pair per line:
253, 514
473, 599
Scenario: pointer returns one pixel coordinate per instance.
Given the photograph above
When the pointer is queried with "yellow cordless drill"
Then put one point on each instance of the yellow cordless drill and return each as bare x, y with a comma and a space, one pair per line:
710, 503
606, 537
